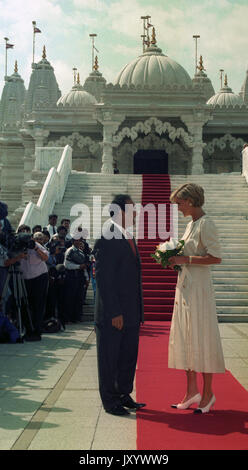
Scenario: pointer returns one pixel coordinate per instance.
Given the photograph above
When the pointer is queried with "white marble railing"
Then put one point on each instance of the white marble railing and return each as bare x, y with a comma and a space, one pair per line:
47, 157
245, 163
52, 192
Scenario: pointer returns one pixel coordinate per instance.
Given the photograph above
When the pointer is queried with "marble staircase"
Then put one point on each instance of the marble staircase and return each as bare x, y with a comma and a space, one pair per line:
226, 197
226, 201
81, 188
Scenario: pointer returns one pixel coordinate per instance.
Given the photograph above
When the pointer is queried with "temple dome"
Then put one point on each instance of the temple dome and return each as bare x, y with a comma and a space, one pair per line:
225, 97
77, 97
153, 68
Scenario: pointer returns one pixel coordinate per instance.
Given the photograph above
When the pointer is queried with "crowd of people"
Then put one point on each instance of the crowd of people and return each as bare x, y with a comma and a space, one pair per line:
56, 267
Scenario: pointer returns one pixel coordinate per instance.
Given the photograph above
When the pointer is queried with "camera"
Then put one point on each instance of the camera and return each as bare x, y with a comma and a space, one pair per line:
19, 243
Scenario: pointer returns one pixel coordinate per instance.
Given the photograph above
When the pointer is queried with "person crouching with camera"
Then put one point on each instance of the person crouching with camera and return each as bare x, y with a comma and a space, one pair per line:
75, 279
35, 273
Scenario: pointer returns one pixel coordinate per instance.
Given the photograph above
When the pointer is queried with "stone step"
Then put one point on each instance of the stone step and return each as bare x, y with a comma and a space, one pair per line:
232, 295
235, 264
230, 287
232, 318
231, 309
231, 267
233, 274
230, 281
232, 302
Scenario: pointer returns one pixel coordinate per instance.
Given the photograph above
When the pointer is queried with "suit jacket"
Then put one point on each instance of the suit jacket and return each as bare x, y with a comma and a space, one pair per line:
118, 282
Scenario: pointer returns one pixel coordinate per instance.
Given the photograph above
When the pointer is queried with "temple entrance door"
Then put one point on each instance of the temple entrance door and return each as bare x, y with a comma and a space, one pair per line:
150, 162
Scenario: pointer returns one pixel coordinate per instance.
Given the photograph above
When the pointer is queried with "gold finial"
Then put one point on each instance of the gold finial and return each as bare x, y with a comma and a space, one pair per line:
78, 79
225, 80
44, 53
153, 41
200, 66
96, 65
74, 74
16, 67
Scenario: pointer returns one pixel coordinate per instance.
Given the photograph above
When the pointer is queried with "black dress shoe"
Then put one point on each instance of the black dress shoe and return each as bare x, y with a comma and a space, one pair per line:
32, 337
128, 402
118, 410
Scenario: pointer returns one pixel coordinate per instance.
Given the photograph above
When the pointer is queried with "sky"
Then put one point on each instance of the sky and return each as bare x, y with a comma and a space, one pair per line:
66, 25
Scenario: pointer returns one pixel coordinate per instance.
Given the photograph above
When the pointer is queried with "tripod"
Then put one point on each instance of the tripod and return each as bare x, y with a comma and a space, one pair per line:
20, 296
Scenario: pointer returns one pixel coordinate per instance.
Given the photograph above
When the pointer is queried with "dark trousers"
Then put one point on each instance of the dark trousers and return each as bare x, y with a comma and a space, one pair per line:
50, 310
117, 353
74, 294
37, 294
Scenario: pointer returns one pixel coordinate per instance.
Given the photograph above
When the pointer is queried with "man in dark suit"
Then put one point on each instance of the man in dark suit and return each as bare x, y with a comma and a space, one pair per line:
118, 310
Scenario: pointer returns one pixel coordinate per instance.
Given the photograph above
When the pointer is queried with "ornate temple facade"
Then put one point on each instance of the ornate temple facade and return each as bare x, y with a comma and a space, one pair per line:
154, 118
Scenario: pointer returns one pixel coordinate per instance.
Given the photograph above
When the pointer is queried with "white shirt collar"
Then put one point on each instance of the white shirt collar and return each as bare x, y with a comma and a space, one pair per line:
125, 232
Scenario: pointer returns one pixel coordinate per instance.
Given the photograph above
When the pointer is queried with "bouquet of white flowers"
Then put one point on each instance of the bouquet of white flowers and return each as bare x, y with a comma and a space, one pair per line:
166, 250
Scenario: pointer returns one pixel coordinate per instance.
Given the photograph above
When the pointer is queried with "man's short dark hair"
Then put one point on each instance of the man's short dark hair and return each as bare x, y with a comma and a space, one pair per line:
62, 227
52, 215
45, 232
36, 227
23, 227
64, 220
120, 200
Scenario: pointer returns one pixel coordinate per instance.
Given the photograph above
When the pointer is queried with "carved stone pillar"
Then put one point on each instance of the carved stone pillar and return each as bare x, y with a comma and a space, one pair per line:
110, 123
107, 148
195, 122
197, 157
32, 140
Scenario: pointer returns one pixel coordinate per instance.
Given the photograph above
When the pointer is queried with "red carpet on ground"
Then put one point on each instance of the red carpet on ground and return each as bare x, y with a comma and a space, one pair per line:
160, 427
158, 283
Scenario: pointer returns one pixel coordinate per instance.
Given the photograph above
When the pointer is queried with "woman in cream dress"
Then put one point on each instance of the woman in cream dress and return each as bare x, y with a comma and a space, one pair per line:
195, 343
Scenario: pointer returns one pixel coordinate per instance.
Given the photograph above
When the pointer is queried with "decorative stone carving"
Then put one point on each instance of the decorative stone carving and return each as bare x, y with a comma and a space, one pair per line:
221, 143
94, 147
160, 127
178, 156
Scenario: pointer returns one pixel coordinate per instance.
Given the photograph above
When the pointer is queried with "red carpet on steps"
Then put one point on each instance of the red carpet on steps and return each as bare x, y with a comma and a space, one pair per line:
160, 427
158, 283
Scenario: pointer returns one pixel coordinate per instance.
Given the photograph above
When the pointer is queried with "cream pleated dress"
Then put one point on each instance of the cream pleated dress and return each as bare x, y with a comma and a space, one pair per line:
194, 342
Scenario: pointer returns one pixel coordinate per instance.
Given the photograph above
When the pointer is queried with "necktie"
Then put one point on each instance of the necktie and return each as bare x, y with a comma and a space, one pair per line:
131, 243
54, 231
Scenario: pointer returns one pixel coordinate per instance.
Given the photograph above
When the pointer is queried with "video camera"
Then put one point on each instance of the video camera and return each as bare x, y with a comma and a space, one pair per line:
17, 243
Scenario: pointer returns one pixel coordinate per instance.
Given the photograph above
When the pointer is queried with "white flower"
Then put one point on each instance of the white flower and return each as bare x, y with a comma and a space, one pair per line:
170, 245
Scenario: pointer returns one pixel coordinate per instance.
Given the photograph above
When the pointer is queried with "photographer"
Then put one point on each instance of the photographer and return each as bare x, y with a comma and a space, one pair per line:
75, 265
35, 274
5, 262
5, 224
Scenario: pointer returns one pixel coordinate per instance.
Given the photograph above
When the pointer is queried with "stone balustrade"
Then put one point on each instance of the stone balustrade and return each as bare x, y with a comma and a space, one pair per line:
245, 163
52, 191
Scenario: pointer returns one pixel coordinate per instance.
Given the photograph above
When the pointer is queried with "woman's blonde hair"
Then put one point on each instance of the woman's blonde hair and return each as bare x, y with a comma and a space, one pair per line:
190, 191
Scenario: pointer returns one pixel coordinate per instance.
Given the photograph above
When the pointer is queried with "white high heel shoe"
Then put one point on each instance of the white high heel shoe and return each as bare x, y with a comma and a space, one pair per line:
186, 404
206, 408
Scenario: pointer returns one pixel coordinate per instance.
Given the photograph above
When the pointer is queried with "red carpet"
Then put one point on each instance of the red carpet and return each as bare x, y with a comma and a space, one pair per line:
158, 283
160, 427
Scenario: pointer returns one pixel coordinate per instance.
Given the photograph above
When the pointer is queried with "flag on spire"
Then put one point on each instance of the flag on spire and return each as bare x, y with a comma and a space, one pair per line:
37, 30
9, 46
